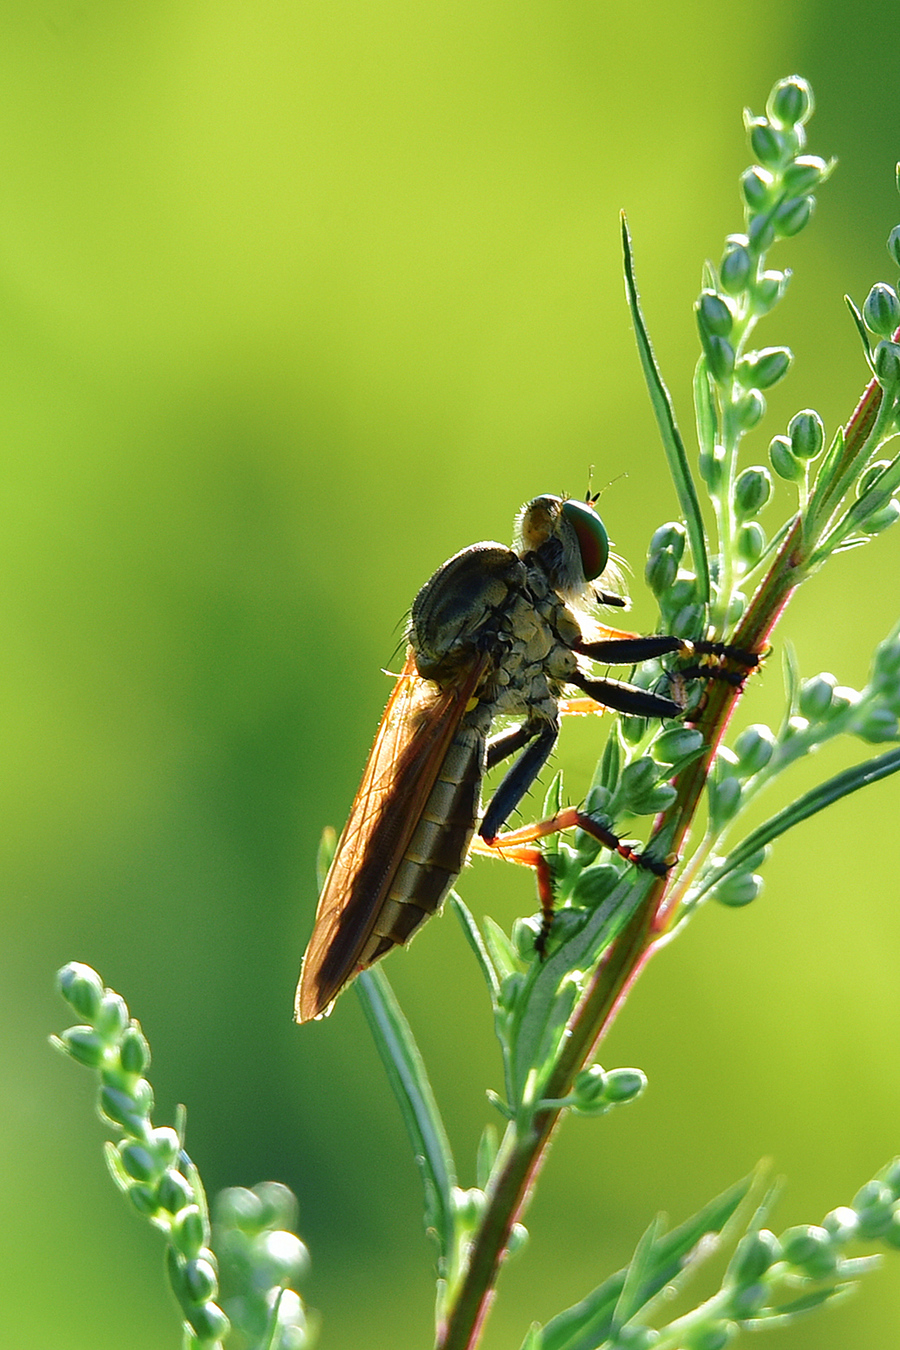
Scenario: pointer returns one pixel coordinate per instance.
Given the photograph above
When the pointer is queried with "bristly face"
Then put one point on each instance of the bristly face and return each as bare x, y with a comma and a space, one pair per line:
569, 538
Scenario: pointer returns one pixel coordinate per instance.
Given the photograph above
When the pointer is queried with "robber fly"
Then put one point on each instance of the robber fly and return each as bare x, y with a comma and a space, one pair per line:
495, 632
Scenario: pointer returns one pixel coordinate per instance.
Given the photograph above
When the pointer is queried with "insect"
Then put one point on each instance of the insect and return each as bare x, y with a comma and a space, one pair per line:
495, 632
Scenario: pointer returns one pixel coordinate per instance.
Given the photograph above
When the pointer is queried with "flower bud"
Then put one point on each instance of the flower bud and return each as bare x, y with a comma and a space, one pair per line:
642, 793
738, 889
632, 729
624, 1085
84, 1044
811, 1249
768, 290
761, 233
890, 1177
200, 1281
82, 988
893, 244
112, 1015
279, 1204
792, 216
756, 1252
719, 356
783, 459
803, 174
876, 725
790, 103
891, 1234
283, 1258
881, 520
736, 268
688, 621
238, 1207
842, 1224
139, 1161
134, 1052
670, 537
208, 1322
736, 606
675, 743
592, 885
724, 799
817, 696
807, 434
886, 359
752, 490
131, 1109
757, 185
874, 1205
143, 1198
754, 748
714, 315
764, 368
768, 144
590, 1085
188, 1231
661, 571
750, 409
711, 465
750, 542
174, 1191
166, 1144
881, 309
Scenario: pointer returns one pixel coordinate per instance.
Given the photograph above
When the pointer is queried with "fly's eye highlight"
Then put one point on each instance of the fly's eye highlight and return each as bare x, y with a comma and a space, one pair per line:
590, 532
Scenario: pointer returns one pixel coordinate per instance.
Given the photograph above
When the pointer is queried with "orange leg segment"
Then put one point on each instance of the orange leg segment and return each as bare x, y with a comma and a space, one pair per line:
517, 846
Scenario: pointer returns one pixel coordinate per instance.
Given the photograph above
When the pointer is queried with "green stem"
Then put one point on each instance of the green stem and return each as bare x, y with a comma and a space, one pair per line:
522, 1154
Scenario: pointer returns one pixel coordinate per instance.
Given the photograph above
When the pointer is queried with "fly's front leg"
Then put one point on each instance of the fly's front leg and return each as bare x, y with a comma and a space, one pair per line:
624, 651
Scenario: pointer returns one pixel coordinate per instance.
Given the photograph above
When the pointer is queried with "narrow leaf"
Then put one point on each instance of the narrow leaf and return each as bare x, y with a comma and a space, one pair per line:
473, 936
832, 790
587, 1324
537, 1001
637, 1276
668, 427
784, 1313
705, 409
859, 324
406, 1073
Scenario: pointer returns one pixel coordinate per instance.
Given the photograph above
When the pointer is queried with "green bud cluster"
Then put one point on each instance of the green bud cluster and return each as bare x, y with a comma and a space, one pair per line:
808, 1259
260, 1259
149, 1164
778, 202
597, 1090
146, 1162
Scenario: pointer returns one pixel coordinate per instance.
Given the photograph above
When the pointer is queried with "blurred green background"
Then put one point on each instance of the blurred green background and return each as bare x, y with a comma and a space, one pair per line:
297, 300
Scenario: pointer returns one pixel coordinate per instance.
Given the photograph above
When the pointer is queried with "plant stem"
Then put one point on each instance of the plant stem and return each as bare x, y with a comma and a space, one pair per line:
522, 1154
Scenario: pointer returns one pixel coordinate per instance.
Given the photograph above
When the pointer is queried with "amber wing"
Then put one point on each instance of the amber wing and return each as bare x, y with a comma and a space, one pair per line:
413, 740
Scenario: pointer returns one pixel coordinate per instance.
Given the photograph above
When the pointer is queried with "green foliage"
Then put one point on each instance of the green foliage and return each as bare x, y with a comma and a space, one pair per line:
259, 1259
717, 575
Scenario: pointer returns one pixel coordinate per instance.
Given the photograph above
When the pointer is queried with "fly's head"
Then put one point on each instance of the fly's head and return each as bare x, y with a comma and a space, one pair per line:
569, 539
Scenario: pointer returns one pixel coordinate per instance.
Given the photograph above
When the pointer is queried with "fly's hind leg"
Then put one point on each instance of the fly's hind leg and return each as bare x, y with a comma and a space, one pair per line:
519, 846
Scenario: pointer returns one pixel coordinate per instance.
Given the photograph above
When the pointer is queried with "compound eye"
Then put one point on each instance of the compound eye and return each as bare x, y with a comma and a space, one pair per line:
590, 532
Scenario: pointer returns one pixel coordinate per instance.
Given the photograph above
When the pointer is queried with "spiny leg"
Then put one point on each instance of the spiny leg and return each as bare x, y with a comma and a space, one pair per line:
516, 846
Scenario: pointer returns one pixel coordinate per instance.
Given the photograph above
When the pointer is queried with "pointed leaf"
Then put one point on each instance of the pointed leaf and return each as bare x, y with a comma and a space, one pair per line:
473, 936
587, 1324
832, 790
406, 1073
538, 999
668, 427
638, 1275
